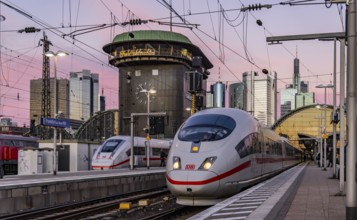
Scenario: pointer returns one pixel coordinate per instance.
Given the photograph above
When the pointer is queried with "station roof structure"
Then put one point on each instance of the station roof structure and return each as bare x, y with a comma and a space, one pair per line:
305, 126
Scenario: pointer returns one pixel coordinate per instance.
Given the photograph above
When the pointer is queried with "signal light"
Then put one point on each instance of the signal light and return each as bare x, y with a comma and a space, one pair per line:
146, 130
157, 125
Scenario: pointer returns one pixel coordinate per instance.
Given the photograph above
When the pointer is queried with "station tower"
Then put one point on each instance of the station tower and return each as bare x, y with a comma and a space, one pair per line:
160, 61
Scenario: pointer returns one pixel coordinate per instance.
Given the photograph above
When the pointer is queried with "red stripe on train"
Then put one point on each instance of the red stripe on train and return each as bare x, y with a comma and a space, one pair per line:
213, 179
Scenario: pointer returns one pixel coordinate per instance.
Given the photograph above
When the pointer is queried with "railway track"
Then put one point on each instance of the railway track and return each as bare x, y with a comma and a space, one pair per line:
87, 208
162, 207
175, 213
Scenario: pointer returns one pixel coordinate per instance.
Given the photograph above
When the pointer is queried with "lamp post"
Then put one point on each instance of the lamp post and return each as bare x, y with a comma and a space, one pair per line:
325, 87
55, 55
320, 138
147, 93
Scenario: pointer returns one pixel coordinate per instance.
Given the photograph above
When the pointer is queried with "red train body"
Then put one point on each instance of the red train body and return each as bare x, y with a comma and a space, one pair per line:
9, 148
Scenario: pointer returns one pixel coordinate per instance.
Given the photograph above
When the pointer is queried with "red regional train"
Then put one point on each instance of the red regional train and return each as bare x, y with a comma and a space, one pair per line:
9, 147
218, 152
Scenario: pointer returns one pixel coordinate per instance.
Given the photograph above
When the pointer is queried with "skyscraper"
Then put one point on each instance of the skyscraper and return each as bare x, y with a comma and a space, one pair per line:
303, 99
287, 100
265, 98
84, 94
261, 96
304, 86
296, 81
218, 91
295, 95
236, 95
35, 98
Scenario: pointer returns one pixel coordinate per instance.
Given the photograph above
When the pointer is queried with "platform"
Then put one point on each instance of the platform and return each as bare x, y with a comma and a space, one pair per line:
303, 192
317, 197
23, 192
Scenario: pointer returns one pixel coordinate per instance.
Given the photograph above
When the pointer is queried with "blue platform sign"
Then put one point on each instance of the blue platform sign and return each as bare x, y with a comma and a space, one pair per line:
55, 122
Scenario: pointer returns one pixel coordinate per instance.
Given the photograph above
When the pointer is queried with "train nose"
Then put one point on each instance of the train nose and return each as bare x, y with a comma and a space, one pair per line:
192, 183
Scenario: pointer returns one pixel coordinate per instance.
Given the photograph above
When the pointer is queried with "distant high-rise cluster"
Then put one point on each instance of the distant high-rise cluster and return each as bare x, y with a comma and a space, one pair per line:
295, 95
257, 95
78, 97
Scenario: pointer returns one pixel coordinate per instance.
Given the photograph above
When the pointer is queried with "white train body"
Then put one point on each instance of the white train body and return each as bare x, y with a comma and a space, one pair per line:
115, 152
218, 152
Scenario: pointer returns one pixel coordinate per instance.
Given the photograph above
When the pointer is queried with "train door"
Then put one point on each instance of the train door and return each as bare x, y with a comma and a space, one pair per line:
260, 154
254, 158
266, 156
139, 156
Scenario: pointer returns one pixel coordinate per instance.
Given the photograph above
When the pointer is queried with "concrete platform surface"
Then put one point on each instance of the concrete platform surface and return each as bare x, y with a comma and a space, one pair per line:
304, 192
317, 197
25, 192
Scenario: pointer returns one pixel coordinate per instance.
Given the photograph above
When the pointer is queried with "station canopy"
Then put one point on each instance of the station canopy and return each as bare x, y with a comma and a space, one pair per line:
304, 127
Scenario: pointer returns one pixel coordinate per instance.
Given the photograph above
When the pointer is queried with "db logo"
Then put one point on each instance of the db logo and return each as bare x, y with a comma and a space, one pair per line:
190, 167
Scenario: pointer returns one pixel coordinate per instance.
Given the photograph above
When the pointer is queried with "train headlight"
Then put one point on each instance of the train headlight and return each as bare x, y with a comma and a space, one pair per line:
176, 163
207, 163
194, 149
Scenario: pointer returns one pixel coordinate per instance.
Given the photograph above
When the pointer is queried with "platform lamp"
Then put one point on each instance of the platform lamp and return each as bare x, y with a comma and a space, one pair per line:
320, 137
325, 87
147, 93
55, 55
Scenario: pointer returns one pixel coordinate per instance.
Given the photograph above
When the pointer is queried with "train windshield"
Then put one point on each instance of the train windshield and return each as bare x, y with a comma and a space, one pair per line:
211, 127
111, 145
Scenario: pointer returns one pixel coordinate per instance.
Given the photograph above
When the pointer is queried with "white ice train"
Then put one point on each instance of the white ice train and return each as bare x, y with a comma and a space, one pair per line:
218, 152
115, 152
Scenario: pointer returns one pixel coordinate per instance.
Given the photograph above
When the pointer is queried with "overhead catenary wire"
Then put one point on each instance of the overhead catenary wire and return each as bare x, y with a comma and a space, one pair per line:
239, 9
185, 19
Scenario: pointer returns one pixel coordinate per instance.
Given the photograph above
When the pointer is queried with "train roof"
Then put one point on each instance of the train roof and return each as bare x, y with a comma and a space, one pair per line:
17, 137
142, 139
236, 114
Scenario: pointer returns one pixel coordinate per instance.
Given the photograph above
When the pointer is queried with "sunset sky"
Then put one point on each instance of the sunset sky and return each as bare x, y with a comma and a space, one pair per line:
230, 38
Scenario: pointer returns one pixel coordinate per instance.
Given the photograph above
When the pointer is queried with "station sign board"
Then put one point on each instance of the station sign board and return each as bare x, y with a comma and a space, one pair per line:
55, 122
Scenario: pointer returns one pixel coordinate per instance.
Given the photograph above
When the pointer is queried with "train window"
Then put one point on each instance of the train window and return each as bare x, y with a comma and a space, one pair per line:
209, 127
280, 149
258, 148
276, 148
156, 151
289, 150
247, 145
7, 143
267, 146
111, 145
139, 151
